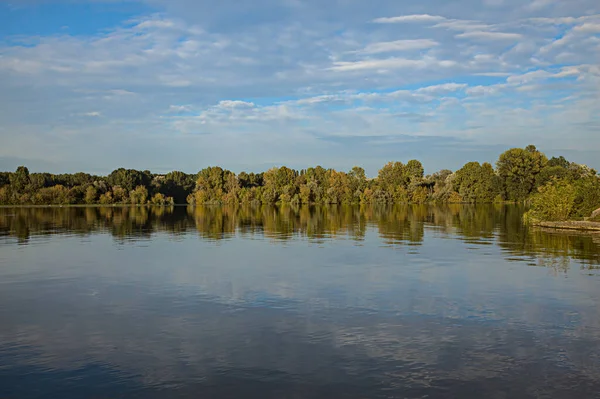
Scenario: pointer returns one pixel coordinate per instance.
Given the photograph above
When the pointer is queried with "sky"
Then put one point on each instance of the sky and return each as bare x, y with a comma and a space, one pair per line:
250, 84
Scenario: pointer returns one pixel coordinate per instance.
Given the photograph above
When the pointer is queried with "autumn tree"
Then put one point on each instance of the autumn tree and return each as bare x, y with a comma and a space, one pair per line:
139, 196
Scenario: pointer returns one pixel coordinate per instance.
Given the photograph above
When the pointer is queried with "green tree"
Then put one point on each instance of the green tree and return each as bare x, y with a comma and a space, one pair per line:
560, 162
553, 202
587, 198
357, 182
40, 180
414, 170
178, 185
476, 183
19, 180
392, 175
211, 185
279, 184
129, 179
91, 195
518, 169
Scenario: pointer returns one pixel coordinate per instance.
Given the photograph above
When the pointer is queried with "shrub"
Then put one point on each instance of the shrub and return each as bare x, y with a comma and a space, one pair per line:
553, 202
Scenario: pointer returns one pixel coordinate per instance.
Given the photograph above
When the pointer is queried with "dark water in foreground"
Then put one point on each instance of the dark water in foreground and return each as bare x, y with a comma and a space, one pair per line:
331, 302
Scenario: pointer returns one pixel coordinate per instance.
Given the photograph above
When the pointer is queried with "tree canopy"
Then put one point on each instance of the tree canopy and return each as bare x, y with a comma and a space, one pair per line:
521, 174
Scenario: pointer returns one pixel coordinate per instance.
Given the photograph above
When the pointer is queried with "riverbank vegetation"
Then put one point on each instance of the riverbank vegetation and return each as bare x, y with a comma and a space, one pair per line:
556, 188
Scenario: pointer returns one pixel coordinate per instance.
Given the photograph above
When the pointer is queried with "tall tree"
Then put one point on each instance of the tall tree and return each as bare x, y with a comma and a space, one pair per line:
476, 183
518, 169
20, 179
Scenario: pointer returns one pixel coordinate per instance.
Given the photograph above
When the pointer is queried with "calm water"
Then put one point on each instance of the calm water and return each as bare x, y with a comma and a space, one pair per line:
330, 302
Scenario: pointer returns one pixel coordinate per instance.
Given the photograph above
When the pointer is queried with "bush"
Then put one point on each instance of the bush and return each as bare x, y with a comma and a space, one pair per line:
553, 202
588, 196
159, 199
454, 198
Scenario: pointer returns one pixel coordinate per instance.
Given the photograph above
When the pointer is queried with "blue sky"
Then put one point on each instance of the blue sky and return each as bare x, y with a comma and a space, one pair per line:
182, 84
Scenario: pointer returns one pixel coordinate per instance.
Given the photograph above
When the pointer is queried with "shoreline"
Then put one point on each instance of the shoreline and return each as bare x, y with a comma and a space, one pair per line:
570, 225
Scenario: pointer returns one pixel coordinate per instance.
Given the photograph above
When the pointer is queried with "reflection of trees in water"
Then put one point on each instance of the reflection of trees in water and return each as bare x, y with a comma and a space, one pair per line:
554, 249
280, 223
121, 222
396, 225
551, 248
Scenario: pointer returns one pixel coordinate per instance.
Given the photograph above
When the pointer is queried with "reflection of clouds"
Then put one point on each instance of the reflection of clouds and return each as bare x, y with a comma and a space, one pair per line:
164, 339
448, 315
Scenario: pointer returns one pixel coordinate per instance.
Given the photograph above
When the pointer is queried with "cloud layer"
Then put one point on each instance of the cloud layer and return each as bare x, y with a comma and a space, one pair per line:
188, 84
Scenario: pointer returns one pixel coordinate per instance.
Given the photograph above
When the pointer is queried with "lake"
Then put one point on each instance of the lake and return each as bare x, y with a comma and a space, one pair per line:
284, 302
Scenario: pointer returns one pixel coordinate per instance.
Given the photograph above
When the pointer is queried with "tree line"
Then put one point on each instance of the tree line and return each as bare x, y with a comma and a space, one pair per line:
556, 188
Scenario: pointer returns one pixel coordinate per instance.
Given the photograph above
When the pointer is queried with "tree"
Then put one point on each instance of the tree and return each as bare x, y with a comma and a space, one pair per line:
587, 198
4, 178
91, 194
178, 185
392, 175
55, 195
357, 182
518, 169
551, 173
337, 191
419, 195
560, 162
129, 179
159, 199
211, 185
414, 170
476, 183
40, 180
20, 179
139, 196
249, 180
106, 198
119, 195
279, 184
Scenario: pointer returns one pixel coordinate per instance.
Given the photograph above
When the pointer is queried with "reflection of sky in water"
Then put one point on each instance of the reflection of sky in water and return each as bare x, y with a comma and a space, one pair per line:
255, 316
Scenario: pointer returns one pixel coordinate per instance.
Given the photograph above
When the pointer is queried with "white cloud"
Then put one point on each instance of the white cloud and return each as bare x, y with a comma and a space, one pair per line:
493, 74
179, 108
235, 104
155, 23
537, 75
442, 88
93, 113
388, 63
463, 25
588, 28
483, 35
398, 45
484, 90
554, 21
409, 18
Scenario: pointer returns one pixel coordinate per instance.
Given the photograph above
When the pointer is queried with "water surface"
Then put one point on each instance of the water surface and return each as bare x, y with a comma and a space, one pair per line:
310, 302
